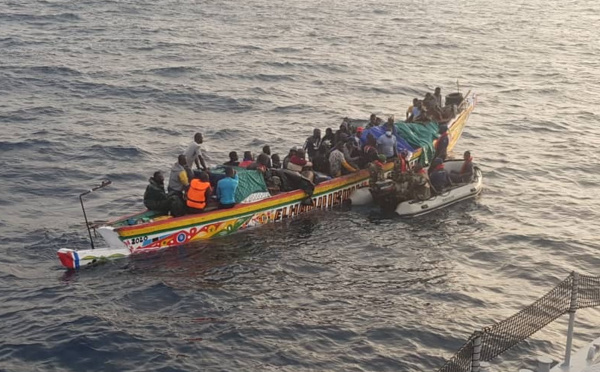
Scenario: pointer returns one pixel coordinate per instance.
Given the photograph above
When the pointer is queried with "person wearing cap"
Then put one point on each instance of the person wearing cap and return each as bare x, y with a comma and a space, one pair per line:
286, 160
233, 160
441, 146
439, 177
311, 146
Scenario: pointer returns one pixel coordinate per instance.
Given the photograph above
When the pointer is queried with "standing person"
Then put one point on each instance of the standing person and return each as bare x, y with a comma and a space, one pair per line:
198, 194
441, 146
337, 164
178, 180
437, 94
233, 160
329, 138
155, 197
372, 121
226, 189
311, 146
321, 160
387, 143
195, 153
267, 151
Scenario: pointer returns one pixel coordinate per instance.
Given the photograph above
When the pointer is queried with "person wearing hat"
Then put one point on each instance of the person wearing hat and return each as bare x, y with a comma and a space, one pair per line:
286, 160
441, 146
439, 177
155, 197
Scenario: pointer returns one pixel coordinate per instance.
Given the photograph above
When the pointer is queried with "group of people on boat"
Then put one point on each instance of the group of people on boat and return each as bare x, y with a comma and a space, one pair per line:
321, 158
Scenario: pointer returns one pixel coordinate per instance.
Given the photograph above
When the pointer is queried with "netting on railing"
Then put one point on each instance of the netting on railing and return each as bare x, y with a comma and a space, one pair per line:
589, 291
461, 361
503, 335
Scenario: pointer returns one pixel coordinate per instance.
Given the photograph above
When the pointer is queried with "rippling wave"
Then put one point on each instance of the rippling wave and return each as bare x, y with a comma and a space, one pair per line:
117, 89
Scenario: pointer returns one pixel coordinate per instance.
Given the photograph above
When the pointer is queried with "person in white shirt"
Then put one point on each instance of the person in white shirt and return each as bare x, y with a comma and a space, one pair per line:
195, 154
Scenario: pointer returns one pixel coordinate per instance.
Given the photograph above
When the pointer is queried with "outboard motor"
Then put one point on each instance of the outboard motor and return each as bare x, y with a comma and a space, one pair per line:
454, 99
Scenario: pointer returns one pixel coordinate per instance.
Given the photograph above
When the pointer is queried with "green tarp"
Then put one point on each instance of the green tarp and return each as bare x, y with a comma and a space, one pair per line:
250, 181
420, 135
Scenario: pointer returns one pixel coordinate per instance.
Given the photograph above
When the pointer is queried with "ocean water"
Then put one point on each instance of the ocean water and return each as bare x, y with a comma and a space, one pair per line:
116, 89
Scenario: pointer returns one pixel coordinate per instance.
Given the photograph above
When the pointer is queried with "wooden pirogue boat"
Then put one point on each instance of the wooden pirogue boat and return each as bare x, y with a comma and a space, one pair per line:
145, 231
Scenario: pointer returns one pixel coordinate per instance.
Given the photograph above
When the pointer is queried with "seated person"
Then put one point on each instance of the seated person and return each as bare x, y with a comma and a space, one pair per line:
337, 163
439, 177
369, 152
198, 194
275, 161
465, 175
261, 164
413, 111
226, 189
233, 160
179, 177
286, 160
297, 161
248, 159
155, 197
348, 149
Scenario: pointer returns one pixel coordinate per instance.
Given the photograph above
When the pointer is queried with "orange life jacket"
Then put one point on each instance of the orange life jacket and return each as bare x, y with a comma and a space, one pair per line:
196, 195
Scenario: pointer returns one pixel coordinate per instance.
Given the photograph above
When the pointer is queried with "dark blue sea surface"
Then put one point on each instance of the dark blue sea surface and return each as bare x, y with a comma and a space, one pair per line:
116, 89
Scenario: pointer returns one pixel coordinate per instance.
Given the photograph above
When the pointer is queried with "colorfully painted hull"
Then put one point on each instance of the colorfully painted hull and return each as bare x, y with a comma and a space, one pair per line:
168, 232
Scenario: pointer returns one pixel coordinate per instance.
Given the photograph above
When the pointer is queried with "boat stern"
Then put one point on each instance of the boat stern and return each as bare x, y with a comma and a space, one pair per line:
68, 258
